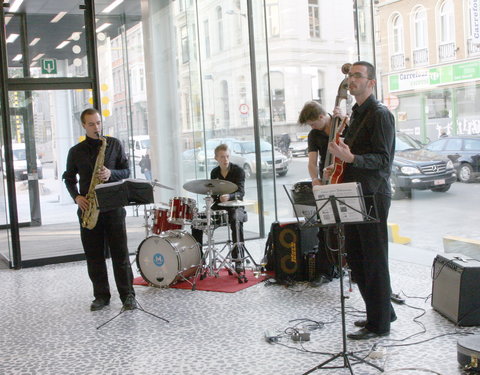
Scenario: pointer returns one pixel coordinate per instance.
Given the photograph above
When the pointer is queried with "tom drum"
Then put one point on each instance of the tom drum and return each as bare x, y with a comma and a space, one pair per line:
181, 210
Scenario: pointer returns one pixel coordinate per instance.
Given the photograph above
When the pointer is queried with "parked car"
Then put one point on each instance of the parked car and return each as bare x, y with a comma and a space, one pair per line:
299, 148
140, 145
243, 154
20, 162
414, 167
463, 151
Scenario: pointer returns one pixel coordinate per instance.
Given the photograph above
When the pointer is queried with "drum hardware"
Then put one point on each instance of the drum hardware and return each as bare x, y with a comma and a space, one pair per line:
243, 253
211, 256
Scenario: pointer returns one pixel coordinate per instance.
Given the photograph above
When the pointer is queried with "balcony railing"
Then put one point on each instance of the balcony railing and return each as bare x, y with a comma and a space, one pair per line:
420, 56
473, 48
397, 61
447, 51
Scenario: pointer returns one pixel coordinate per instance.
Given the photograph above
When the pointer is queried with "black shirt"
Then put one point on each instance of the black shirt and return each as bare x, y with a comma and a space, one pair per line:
236, 175
81, 161
373, 143
318, 142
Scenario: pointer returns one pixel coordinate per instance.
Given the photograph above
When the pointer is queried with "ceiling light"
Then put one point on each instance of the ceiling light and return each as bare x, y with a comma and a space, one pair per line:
18, 57
103, 27
112, 6
8, 19
63, 44
15, 6
39, 56
58, 17
34, 41
12, 38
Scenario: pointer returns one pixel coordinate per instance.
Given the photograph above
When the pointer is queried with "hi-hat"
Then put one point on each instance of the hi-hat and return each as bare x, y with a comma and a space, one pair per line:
209, 187
236, 203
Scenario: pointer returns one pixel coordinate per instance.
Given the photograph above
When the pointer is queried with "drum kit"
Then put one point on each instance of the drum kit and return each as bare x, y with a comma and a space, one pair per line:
169, 254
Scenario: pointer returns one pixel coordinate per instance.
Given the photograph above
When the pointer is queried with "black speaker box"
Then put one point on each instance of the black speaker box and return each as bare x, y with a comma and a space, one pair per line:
455, 288
293, 249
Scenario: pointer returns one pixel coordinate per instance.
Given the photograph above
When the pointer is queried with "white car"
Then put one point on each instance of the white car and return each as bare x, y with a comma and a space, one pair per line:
20, 162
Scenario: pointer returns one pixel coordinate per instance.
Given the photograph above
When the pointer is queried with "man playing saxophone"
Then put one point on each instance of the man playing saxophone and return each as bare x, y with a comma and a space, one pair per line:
94, 162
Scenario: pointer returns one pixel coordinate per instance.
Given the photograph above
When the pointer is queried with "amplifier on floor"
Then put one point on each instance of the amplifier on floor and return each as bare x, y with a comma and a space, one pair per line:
455, 291
293, 249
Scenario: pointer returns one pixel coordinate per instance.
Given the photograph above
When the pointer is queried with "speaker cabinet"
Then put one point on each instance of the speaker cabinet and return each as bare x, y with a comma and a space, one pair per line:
455, 288
292, 248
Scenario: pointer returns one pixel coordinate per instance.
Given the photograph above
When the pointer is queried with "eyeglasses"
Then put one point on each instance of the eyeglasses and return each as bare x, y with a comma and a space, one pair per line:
357, 75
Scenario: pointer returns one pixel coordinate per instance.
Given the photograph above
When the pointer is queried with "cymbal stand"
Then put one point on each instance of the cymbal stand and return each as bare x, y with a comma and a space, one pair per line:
211, 256
242, 250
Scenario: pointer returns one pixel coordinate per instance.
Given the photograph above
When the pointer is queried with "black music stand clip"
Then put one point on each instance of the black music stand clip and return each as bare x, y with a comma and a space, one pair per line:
338, 225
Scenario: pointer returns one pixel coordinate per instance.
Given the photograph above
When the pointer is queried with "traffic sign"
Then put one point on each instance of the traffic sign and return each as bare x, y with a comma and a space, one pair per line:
391, 101
243, 109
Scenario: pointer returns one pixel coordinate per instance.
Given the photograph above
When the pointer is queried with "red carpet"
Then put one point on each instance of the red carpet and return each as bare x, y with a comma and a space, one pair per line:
225, 283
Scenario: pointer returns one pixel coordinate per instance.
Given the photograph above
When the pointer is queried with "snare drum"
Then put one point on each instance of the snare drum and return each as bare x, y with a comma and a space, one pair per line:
181, 210
218, 218
163, 260
160, 221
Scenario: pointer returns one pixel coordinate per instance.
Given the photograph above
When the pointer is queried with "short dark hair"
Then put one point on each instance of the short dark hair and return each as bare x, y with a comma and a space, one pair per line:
310, 112
371, 74
221, 147
88, 111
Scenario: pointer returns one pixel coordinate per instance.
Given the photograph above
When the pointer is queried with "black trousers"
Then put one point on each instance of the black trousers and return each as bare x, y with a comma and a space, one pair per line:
367, 256
110, 230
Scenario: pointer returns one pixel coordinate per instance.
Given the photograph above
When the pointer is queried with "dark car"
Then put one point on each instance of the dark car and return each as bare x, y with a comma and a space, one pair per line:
299, 148
463, 151
417, 168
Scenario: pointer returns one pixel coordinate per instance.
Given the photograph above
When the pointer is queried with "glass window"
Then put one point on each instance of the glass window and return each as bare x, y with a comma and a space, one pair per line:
471, 144
437, 146
47, 42
314, 18
453, 144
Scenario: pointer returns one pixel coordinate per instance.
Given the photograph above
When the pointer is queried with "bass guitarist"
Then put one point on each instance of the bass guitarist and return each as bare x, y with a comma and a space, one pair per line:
367, 153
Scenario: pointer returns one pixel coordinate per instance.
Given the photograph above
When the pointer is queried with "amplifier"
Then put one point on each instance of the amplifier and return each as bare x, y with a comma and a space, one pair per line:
294, 248
455, 291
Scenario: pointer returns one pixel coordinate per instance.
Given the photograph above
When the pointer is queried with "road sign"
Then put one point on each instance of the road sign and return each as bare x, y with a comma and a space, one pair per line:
244, 109
49, 66
391, 101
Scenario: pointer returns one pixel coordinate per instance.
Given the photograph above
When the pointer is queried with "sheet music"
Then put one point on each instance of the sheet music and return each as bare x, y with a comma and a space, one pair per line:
353, 190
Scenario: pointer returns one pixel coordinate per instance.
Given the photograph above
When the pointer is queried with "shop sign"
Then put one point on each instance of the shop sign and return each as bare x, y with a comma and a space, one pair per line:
431, 77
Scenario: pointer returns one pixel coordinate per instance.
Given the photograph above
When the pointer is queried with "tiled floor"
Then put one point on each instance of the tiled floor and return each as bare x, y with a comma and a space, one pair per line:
47, 328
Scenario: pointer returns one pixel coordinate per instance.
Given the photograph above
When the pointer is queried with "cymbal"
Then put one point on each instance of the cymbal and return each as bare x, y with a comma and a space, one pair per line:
210, 187
156, 183
236, 203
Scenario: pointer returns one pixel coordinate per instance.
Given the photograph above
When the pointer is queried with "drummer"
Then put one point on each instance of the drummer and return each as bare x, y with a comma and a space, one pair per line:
233, 173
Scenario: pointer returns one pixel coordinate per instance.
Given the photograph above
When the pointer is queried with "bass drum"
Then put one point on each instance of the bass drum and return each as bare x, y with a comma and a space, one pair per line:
163, 260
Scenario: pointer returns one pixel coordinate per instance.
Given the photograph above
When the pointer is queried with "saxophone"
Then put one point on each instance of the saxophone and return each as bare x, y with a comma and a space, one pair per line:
90, 215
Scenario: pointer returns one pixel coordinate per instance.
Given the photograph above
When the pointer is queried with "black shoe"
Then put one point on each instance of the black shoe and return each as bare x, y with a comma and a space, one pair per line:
238, 267
130, 303
363, 322
365, 334
99, 303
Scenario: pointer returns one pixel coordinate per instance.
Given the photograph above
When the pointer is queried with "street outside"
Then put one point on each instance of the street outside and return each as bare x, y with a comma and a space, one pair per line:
425, 218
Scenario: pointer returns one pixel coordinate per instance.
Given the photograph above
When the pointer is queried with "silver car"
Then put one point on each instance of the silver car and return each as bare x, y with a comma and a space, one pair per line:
243, 154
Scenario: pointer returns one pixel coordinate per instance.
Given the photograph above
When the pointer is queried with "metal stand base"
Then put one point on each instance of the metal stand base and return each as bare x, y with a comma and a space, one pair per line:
138, 307
343, 354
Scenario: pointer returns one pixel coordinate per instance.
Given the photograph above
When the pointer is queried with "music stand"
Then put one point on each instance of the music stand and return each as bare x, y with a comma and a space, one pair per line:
120, 194
331, 204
